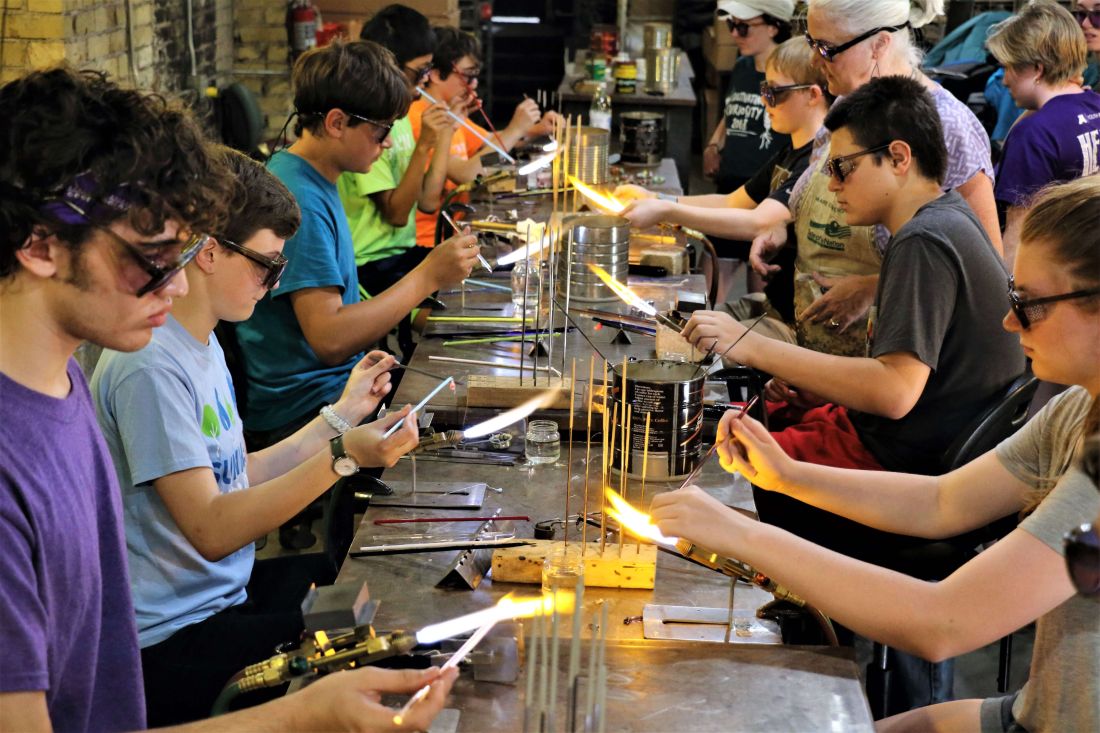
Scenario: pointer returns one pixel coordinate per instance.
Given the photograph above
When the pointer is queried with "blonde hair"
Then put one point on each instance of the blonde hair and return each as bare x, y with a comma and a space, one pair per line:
1042, 34
860, 16
794, 58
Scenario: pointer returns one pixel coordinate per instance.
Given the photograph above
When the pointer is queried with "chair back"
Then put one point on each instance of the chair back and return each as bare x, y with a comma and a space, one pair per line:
1002, 418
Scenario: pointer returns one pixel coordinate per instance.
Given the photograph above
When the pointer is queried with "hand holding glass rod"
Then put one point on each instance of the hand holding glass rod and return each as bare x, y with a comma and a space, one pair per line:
462, 121
484, 262
449, 381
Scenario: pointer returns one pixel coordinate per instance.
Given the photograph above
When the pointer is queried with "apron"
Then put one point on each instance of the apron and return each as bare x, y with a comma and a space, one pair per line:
827, 245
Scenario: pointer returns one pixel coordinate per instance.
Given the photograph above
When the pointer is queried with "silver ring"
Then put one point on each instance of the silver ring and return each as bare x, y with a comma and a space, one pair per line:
833, 324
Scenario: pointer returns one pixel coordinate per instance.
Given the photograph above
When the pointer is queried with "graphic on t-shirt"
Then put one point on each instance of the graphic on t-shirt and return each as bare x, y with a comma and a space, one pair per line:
1090, 146
213, 422
742, 109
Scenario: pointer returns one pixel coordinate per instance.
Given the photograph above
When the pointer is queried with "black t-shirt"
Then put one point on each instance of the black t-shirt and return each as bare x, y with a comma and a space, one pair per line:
750, 141
941, 297
775, 180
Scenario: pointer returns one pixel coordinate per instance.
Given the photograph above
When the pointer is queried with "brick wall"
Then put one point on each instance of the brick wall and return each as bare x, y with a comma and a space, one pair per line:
261, 57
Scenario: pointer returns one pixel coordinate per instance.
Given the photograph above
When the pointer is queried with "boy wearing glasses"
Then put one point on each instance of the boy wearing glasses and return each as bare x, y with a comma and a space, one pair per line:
452, 80
796, 99
194, 500
410, 173
310, 331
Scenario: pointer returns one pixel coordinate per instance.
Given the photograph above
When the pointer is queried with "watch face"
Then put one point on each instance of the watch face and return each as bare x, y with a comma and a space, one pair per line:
345, 466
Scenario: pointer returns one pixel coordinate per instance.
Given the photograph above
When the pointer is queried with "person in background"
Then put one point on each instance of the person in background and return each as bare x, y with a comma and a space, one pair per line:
1043, 52
93, 250
796, 98
1087, 14
1054, 310
194, 499
309, 332
410, 173
837, 264
453, 81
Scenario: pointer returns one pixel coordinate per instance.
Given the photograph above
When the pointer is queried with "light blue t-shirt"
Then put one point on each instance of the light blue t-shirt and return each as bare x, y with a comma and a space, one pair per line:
286, 379
167, 408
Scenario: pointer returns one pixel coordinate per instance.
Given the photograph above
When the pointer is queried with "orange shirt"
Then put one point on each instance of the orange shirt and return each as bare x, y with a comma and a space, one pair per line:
463, 145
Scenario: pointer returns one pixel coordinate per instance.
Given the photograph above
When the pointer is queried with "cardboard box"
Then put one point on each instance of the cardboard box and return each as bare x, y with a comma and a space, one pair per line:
722, 58
722, 35
710, 113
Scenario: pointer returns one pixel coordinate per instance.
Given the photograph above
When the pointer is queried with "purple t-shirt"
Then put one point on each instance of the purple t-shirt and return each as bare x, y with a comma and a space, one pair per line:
66, 621
1058, 142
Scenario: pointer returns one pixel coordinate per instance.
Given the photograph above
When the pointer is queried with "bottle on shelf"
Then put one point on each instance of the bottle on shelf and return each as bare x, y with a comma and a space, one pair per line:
599, 114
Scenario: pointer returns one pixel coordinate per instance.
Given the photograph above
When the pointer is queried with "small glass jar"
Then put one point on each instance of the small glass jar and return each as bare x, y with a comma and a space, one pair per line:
563, 573
543, 442
522, 281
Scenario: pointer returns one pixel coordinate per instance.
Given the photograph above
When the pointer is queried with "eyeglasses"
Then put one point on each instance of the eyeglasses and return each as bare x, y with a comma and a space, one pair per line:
740, 27
161, 261
775, 95
274, 266
467, 76
383, 127
1030, 311
842, 166
1082, 549
829, 51
1092, 16
418, 75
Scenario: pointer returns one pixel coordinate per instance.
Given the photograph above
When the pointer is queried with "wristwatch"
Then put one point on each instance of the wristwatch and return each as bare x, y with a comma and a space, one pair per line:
342, 463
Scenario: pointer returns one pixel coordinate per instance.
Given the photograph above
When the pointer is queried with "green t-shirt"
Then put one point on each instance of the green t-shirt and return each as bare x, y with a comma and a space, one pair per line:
374, 237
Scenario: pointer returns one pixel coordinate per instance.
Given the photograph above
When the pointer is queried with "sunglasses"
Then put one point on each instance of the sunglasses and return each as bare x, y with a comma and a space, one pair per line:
829, 51
842, 166
418, 75
273, 266
383, 127
740, 27
774, 95
1082, 549
161, 261
469, 77
1092, 16
1030, 311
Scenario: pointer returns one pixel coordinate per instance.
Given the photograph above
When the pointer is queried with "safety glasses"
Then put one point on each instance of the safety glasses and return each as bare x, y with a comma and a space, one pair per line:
418, 75
468, 77
382, 127
1092, 16
829, 51
273, 266
1033, 310
161, 261
740, 27
774, 95
1082, 549
842, 166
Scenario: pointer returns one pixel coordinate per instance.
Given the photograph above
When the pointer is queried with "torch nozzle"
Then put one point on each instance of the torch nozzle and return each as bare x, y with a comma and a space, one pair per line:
440, 440
735, 569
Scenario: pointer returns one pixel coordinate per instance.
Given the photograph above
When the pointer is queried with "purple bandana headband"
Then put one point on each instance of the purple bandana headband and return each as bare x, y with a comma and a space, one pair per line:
79, 205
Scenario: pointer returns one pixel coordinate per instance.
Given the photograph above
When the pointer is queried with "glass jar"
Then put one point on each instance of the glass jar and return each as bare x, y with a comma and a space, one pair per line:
522, 281
562, 573
543, 442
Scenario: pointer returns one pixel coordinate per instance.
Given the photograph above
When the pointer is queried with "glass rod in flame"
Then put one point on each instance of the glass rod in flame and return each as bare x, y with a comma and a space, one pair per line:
519, 254
627, 295
506, 608
604, 202
514, 415
634, 521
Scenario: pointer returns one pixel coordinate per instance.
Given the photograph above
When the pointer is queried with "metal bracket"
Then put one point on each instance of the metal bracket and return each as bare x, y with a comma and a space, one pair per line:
690, 623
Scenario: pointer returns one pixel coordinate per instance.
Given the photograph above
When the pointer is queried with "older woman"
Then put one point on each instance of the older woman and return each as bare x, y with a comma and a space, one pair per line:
1054, 303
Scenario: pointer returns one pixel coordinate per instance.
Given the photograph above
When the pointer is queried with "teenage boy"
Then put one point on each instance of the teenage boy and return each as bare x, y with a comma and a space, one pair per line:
456, 64
409, 174
92, 250
194, 500
310, 331
796, 99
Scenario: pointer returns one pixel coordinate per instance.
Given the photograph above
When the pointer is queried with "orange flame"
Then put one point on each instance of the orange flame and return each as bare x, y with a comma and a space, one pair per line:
606, 203
628, 296
634, 521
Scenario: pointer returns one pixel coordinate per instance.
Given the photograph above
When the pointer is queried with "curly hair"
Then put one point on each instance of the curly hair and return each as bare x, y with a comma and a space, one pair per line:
64, 126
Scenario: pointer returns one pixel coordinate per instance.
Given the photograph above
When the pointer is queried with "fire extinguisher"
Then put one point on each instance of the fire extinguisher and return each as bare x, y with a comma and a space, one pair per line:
301, 27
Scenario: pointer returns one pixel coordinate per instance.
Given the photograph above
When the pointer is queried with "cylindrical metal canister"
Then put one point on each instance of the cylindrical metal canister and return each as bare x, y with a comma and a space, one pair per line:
596, 239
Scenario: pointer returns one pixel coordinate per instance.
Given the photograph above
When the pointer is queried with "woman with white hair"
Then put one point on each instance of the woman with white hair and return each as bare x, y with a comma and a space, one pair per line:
837, 265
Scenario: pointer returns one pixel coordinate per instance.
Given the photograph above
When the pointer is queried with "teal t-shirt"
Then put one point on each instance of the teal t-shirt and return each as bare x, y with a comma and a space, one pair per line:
1092, 76
374, 237
167, 408
285, 377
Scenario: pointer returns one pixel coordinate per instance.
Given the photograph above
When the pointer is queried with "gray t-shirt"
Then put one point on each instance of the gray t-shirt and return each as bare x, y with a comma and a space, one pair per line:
1063, 689
164, 409
941, 297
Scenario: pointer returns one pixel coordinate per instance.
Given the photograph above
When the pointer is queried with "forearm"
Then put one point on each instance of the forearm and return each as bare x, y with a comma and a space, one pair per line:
707, 201
400, 201
508, 137
431, 191
463, 171
277, 459
281, 714
740, 224
978, 192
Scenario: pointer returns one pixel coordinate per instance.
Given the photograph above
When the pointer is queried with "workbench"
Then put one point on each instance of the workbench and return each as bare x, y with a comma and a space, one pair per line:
653, 685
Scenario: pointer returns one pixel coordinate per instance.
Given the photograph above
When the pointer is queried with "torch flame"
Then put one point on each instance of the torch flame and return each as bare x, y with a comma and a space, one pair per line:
514, 415
538, 163
637, 523
628, 296
507, 607
604, 202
